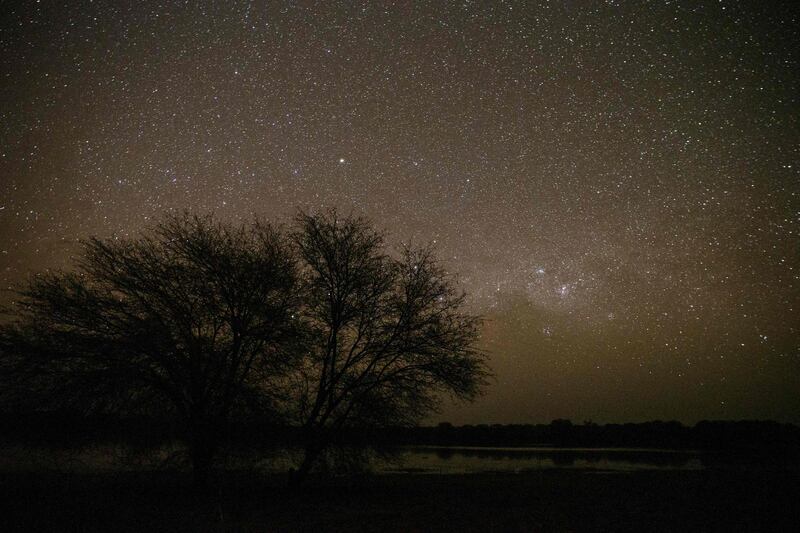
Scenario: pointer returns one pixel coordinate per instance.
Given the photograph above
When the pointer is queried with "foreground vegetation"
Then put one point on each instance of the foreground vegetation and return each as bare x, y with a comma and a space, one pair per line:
556, 500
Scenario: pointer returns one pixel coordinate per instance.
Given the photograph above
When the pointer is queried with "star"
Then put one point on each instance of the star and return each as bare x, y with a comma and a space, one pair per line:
654, 175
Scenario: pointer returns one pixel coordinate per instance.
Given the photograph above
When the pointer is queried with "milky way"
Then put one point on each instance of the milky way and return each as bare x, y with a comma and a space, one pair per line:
614, 182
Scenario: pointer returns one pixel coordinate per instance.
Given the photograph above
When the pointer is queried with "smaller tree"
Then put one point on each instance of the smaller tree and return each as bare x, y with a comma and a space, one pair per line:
190, 320
386, 336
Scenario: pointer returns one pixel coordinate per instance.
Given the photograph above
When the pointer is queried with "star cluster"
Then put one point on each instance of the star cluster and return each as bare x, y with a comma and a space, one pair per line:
615, 182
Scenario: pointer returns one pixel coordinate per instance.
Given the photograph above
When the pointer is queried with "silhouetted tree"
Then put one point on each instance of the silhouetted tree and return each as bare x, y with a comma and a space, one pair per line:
386, 336
192, 319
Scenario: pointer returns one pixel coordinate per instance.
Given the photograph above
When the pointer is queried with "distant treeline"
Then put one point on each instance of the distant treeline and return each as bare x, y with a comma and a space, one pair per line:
60, 429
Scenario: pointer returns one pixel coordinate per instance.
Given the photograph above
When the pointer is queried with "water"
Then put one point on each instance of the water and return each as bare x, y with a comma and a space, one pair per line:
408, 459
469, 460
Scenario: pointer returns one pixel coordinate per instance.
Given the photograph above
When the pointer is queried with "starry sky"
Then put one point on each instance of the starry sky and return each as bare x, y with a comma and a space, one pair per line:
616, 183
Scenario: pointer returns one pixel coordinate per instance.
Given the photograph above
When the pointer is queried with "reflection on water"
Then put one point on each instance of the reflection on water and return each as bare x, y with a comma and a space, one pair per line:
466, 460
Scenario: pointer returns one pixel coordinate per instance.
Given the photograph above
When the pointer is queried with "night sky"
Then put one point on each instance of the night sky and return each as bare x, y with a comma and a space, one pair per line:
616, 183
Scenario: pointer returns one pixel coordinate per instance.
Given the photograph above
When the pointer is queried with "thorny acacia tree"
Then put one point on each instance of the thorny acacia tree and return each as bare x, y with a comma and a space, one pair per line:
191, 319
386, 336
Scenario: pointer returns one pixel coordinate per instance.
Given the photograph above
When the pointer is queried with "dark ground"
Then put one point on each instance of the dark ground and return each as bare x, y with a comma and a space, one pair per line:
554, 500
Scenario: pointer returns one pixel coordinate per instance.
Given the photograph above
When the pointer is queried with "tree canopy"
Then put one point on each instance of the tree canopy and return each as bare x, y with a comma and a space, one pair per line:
322, 325
387, 335
193, 319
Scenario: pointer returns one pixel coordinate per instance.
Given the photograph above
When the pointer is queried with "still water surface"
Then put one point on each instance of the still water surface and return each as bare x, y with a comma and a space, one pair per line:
468, 460
409, 459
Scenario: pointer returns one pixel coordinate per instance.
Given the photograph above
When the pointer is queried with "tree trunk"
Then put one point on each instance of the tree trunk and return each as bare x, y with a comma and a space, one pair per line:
202, 459
299, 476
202, 448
